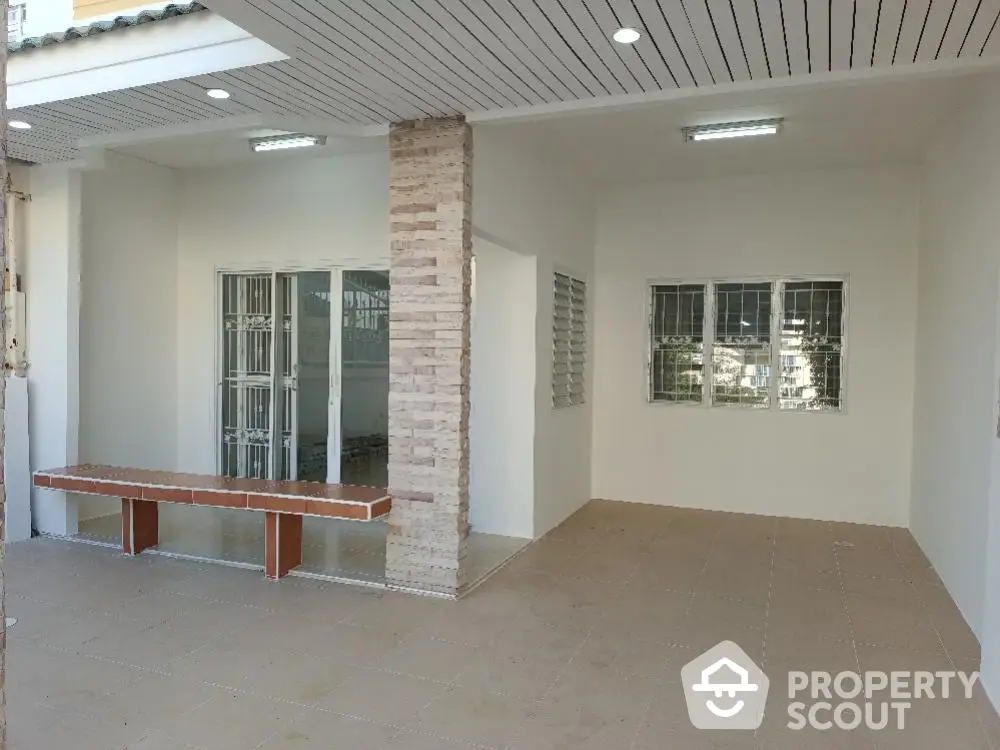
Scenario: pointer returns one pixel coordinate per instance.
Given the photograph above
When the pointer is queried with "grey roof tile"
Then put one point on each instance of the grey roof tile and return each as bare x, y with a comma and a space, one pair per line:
100, 27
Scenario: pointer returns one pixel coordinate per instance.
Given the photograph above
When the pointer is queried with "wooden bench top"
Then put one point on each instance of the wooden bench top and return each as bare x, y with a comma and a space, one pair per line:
346, 501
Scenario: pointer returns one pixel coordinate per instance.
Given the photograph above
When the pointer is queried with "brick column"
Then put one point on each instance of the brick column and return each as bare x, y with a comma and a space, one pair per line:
429, 304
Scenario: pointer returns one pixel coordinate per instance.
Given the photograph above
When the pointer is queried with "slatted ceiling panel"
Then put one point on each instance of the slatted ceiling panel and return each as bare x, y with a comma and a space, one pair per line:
477, 79
842, 23
611, 14
818, 14
773, 33
317, 92
730, 37
676, 20
508, 30
363, 106
553, 44
979, 32
652, 48
796, 36
890, 21
992, 44
912, 30
707, 35
470, 52
391, 35
347, 53
748, 25
485, 42
386, 39
566, 27
938, 20
958, 29
658, 43
366, 45
866, 21
578, 17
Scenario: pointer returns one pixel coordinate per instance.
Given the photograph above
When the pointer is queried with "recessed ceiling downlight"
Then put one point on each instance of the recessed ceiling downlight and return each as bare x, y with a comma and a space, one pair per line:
626, 35
19, 125
218, 93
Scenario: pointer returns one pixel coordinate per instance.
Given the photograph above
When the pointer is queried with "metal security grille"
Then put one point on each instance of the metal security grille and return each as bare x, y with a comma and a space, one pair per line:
247, 333
741, 347
677, 344
569, 340
715, 341
812, 342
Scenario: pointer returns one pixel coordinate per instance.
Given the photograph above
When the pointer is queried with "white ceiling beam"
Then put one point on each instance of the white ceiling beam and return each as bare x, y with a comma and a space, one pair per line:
192, 45
916, 71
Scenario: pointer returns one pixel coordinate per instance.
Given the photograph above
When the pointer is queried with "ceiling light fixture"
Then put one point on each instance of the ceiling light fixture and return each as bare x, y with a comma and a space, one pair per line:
19, 125
626, 35
732, 130
217, 94
279, 142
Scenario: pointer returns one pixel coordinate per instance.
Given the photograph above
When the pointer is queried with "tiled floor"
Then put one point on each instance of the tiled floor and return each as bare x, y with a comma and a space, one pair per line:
345, 549
575, 645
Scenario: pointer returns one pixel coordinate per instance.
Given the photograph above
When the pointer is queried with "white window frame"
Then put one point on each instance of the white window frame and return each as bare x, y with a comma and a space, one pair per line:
777, 305
580, 279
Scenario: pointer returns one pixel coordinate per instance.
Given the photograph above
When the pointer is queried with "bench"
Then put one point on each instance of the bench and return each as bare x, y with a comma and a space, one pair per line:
284, 503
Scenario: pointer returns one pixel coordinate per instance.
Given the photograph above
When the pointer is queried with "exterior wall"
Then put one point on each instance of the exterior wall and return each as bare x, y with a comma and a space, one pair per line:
852, 466
128, 320
429, 353
93, 10
51, 16
303, 214
956, 453
524, 204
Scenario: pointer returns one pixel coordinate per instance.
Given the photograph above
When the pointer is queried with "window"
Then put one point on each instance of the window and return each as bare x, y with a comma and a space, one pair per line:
569, 340
752, 344
16, 14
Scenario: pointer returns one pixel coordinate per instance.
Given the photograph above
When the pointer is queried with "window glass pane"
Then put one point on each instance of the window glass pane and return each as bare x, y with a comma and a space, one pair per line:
812, 337
677, 343
741, 353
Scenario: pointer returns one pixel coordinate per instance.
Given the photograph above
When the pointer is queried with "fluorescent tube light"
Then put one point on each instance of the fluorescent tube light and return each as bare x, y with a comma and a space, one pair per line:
731, 130
279, 142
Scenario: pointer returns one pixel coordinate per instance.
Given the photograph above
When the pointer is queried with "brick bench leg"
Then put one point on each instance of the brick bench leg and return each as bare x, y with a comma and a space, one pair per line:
140, 525
282, 544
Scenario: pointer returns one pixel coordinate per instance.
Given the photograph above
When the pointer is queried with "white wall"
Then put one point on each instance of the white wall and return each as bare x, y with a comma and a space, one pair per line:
305, 214
51, 279
523, 204
956, 457
853, 466
502, 424
128, 319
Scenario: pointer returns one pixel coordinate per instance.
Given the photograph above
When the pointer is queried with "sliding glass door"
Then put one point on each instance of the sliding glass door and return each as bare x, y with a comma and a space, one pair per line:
320, 341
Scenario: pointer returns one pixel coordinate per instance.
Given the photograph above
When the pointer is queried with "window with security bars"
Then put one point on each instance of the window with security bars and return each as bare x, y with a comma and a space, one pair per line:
569, 340
752, 344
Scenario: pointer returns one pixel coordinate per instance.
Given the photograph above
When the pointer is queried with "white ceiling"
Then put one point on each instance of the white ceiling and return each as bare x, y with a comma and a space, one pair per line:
361, 63
845, 125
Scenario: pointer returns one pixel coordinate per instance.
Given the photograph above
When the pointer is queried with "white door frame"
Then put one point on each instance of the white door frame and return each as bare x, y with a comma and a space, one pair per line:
336, 269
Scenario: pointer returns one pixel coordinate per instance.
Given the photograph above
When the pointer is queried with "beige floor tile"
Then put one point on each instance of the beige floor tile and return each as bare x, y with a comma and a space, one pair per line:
474, 716
382, 697
573, 646
233, 721
317, 730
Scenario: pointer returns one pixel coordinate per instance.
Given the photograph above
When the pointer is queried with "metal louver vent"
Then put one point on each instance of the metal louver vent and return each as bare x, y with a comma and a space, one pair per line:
569, 340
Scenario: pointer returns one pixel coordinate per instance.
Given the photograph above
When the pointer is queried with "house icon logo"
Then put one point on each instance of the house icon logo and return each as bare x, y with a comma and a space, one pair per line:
724, 689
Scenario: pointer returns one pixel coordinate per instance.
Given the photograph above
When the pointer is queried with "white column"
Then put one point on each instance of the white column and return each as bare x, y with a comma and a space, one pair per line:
51, 275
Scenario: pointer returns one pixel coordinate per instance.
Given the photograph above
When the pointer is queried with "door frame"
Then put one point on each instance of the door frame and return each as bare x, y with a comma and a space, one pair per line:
336, 270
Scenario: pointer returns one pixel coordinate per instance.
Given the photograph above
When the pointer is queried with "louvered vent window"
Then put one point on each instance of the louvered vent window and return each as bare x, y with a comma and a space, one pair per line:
569, 340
